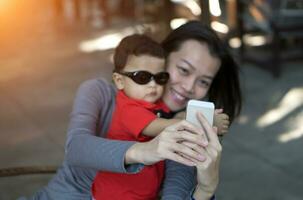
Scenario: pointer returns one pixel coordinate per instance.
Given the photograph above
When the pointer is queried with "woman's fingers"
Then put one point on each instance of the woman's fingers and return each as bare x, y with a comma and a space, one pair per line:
167, 146
179, 152
180, 159
191, 137
194, 154
198, 149
186, 131
210, 131
182, 142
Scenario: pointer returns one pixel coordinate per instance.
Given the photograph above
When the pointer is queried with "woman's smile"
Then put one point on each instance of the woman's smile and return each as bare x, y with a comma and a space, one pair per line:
179, 98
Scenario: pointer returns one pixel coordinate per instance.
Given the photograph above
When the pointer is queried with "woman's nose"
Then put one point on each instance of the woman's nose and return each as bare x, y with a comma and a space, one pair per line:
188, 85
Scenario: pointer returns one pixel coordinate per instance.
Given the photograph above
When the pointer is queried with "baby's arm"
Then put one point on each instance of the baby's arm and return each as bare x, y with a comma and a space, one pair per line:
221, 121
157, 126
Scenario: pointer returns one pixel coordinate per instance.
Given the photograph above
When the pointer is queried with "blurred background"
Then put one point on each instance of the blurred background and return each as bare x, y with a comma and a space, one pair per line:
48, 48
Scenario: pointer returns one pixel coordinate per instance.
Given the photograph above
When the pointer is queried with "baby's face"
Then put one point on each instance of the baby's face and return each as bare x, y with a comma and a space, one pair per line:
150, 91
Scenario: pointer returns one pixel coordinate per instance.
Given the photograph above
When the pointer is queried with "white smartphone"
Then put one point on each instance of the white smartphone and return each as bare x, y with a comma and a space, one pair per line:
206, 108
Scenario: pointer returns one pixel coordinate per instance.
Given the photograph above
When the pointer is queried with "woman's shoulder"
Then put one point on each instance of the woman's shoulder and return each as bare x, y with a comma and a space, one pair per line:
98, 90
97, 82
97, 85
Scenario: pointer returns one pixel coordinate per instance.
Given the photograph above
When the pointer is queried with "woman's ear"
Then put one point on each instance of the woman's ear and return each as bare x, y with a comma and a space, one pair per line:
118, 80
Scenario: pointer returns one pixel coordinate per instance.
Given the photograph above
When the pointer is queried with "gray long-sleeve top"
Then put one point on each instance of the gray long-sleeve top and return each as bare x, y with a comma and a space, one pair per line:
87, 151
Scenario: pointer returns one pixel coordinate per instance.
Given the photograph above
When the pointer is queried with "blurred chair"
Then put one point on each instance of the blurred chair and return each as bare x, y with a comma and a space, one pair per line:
281, 22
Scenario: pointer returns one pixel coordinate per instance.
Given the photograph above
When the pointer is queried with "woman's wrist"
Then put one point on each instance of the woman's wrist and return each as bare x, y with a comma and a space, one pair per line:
201, 194
142, 152
132, 155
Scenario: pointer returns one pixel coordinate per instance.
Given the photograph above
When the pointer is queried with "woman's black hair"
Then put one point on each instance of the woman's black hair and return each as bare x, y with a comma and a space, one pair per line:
225, 89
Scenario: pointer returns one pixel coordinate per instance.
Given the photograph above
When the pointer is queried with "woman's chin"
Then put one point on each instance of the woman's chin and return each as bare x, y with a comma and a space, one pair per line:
175, 104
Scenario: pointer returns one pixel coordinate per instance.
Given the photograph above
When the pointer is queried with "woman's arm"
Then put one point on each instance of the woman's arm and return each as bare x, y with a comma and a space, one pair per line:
203, 179
208, 170
179, 181
90, 118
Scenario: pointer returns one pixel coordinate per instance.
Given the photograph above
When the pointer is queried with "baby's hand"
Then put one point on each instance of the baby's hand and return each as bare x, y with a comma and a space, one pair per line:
221, 121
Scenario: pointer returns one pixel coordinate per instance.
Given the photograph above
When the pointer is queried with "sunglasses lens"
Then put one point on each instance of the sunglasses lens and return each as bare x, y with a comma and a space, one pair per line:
161, 78
142, 77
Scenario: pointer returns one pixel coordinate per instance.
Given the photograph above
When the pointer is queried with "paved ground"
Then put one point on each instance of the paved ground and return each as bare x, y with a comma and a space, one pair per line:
41, 69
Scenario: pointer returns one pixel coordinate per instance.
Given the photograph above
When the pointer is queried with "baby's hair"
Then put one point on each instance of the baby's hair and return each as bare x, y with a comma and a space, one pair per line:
137, 45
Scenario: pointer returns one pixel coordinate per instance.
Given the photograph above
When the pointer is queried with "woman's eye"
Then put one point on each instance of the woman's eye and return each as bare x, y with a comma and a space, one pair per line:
183, 70
204, 83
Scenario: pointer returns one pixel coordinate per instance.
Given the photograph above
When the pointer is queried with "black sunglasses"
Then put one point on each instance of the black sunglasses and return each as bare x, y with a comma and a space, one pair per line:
144, 77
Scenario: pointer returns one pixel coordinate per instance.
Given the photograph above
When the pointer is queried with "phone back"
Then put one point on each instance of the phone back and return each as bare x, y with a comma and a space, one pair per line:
207, 109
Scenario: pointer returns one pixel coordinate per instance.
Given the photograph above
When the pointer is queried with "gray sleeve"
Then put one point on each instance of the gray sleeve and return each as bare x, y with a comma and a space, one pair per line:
84, 146
179, 181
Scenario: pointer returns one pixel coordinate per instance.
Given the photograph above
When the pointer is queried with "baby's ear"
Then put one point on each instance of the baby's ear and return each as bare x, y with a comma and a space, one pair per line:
118, 80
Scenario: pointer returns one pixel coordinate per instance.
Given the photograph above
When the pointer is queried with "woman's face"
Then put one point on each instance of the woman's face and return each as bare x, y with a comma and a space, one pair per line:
192, 69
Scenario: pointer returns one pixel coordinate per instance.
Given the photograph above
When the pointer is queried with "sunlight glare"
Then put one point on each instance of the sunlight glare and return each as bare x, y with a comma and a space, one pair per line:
3, 3
292, 135
292, 100
103, 43
111, 40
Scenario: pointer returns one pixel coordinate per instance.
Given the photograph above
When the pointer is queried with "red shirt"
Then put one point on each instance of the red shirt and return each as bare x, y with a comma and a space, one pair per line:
129, 119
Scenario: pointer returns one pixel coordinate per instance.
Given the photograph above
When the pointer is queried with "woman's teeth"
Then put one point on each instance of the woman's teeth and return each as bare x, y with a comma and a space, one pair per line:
179, 97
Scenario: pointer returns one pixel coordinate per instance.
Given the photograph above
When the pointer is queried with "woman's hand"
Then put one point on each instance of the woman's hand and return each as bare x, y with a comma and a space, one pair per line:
182, 142
180, 115
208, 170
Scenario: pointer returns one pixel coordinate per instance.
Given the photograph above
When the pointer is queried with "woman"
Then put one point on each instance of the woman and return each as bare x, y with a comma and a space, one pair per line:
200, 68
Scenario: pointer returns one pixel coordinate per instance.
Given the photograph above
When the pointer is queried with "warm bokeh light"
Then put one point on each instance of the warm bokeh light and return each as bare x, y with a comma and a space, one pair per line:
18, 19
214, 8
250, 40
175, 23
219, 27
254, 40
177, 1
234, 42
5, 6
6, 12
290, 102
193, 6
